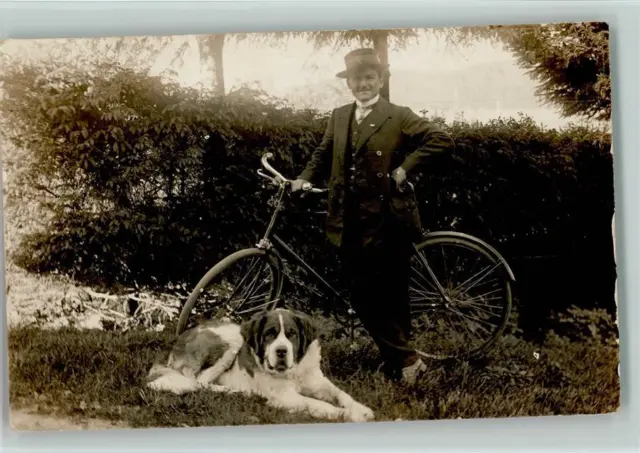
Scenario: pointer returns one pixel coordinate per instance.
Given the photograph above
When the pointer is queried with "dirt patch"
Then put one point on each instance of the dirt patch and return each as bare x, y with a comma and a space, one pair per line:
25, 419
54, 301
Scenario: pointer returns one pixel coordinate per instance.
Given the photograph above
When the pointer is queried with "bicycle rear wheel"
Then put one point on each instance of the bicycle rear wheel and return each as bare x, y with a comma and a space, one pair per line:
239, 286
478, 285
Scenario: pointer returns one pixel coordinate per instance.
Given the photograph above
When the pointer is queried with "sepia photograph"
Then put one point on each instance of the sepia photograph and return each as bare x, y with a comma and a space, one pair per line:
323, 226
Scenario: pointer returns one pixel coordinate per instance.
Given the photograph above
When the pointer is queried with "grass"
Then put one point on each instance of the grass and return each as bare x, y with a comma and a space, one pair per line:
93, 373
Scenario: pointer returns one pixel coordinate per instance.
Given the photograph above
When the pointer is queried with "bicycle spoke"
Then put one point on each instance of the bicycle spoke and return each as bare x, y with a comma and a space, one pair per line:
472, 318
472, 269
484, 297
472, 313
243, 287
470, 333
484, 272
426, 306
477, 307
242, 281
253, 298
425, 290
425, 279
479, 284
464, 324
255, 308
433, 299
249, 289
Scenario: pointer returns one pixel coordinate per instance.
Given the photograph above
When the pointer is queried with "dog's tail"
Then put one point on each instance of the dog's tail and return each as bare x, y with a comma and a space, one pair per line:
167, 379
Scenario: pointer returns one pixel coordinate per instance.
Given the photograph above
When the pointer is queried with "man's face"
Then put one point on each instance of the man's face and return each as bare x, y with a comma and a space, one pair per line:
365, 84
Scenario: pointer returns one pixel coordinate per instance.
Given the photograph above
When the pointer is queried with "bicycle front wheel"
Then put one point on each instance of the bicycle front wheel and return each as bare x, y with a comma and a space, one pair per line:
478, 302
239, 286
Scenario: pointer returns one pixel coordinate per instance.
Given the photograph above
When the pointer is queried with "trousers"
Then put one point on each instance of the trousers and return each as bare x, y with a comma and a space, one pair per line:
378, 279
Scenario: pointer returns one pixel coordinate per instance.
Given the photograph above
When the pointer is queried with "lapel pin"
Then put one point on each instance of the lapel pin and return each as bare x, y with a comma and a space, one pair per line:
371, 124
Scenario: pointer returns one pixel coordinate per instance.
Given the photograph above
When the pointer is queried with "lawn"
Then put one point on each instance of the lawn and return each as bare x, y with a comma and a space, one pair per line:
96, 373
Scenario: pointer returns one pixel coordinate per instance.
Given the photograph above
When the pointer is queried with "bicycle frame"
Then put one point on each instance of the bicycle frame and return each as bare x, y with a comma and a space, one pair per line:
282, 248
277, 252
265, 243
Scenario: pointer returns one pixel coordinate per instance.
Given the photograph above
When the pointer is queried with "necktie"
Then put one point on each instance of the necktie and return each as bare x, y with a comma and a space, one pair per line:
361, 112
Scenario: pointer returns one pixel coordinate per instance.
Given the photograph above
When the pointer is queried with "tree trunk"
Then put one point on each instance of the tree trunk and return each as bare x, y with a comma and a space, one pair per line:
211, 48
217, 45
381, 46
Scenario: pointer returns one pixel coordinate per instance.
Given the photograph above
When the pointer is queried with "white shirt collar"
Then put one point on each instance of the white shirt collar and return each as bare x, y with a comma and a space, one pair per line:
369, 103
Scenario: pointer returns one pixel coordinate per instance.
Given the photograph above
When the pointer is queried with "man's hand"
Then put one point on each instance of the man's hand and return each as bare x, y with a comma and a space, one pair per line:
399, 176
297, 184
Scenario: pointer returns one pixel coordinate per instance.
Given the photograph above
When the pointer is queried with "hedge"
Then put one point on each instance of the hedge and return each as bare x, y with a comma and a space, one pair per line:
154, 183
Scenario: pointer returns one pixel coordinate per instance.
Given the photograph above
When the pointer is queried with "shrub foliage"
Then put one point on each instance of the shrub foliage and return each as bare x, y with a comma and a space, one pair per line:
147, 183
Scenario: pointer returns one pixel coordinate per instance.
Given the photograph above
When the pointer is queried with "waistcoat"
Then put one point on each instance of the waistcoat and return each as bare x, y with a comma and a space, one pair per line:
352, 162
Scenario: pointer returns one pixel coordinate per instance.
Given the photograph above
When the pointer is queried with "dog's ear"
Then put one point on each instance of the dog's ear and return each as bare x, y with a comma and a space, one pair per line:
251, 331
308, 333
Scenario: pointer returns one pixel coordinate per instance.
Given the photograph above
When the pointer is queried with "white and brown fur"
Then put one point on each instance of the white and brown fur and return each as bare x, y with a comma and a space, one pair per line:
276, 354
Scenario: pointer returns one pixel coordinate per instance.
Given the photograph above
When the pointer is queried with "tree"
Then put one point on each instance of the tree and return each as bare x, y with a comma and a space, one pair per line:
144, 51
381, 46
378, 39
570, 61
211, 48
381, 40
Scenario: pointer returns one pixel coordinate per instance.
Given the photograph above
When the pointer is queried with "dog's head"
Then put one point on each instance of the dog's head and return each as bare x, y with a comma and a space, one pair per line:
279, 338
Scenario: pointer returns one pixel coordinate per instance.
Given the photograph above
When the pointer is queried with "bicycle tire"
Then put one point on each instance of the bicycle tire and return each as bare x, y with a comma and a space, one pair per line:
220, 267
474, 244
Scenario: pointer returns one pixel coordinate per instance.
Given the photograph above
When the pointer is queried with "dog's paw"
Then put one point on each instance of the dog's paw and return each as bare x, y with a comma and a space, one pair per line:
360, 413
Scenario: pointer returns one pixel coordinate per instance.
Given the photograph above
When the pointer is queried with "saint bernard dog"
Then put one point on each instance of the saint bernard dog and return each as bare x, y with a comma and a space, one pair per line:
275, 355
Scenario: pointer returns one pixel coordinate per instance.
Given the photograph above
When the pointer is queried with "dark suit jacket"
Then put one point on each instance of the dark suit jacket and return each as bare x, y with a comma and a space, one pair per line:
392, 136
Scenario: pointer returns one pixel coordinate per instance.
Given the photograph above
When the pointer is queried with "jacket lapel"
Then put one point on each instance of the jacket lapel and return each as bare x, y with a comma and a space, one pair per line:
341, 131
373, 122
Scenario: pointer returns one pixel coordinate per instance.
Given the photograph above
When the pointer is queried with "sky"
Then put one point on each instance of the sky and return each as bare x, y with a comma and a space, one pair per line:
279, 68
430, 74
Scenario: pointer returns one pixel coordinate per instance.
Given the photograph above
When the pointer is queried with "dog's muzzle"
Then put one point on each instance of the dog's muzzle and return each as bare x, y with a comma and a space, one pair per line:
279, 359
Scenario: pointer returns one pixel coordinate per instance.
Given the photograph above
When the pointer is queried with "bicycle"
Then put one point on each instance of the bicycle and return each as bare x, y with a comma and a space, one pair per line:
451, 298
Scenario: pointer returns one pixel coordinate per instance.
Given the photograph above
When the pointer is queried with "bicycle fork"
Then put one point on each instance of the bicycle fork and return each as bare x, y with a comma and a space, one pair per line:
439, 287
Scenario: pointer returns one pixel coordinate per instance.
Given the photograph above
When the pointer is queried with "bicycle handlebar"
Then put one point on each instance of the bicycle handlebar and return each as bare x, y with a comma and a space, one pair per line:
306, 187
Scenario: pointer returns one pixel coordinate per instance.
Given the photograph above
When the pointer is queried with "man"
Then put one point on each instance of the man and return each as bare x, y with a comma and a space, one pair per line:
369, 148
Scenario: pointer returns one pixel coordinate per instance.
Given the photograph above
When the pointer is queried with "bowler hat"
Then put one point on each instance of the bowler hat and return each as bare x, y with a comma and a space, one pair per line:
360, 58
